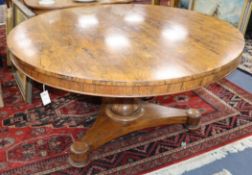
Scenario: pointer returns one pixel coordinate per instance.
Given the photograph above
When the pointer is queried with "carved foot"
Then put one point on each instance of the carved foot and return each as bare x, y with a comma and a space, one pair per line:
193, 121
79, 156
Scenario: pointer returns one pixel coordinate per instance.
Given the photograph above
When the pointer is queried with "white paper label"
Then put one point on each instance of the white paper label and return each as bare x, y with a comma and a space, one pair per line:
45, 97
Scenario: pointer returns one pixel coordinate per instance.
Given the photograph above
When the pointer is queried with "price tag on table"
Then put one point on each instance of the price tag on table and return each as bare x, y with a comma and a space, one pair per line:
45, 97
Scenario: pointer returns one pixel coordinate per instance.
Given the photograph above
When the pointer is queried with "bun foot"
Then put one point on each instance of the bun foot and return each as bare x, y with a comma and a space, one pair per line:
79, 154
193, 120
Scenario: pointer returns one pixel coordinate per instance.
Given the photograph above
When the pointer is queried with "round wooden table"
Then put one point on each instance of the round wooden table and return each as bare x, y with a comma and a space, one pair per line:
122, 53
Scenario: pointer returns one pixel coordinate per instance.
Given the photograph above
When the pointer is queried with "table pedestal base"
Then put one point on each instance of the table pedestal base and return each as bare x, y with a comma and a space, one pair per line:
119, 117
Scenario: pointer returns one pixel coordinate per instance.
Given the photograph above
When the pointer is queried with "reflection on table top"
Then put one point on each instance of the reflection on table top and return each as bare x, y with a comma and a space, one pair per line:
151, 48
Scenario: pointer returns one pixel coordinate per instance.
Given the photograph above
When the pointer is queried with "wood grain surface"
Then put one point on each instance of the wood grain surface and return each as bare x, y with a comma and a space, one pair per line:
125, 50
59, 4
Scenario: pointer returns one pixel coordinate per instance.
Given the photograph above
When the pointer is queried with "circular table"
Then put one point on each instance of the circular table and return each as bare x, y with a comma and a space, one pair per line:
122, 53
